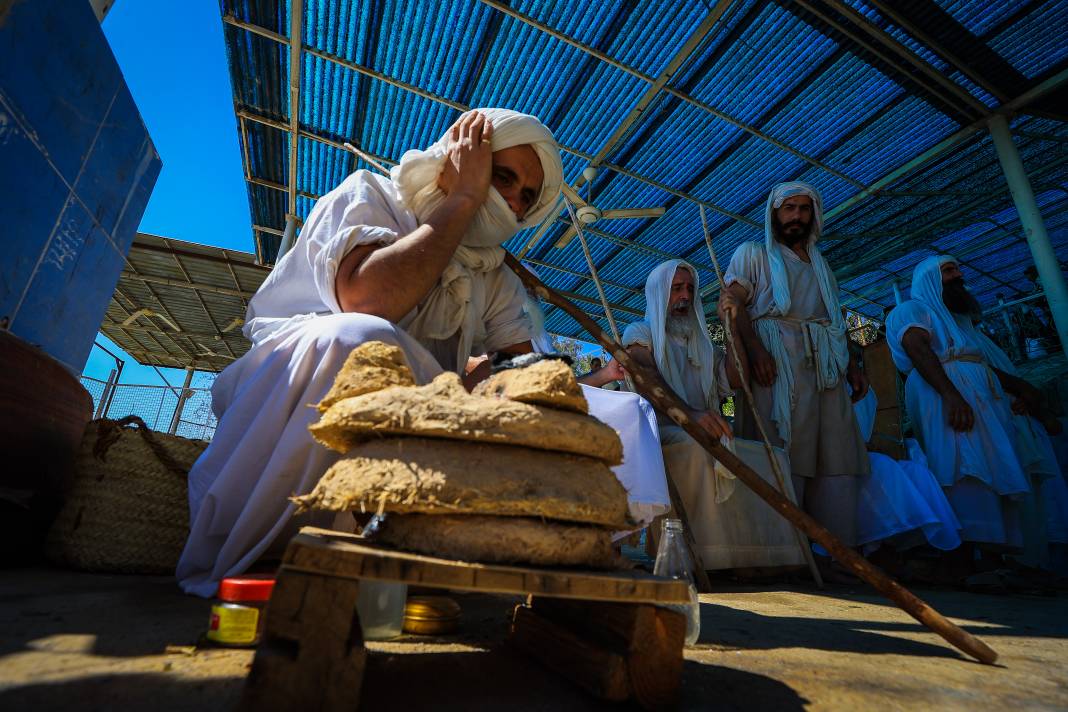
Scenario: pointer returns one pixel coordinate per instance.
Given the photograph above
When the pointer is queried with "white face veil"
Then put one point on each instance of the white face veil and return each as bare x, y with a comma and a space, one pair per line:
456, 304
699, 352
416, 178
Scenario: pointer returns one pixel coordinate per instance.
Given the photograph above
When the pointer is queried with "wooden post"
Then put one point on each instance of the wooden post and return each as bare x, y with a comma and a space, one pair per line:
312, 655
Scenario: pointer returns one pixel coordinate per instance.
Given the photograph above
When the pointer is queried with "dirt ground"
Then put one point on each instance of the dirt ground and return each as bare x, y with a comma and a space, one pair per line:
93, 642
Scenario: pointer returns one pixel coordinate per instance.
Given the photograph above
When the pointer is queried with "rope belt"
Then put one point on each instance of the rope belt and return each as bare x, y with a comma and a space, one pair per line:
991, 378
805, 325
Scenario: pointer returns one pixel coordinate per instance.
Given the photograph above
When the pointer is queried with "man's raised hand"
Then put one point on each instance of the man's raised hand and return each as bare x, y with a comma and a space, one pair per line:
469, 159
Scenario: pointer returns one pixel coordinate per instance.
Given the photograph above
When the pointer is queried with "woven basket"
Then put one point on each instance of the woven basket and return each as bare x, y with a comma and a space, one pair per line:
127, 509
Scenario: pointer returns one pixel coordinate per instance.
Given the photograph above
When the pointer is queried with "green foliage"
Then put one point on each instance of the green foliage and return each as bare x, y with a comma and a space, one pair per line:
573, 348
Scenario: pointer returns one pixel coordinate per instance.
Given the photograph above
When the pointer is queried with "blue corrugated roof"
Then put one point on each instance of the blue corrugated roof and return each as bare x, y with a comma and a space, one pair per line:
839, 93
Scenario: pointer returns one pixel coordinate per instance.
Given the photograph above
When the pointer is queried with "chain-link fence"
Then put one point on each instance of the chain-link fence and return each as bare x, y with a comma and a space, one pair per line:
155, 405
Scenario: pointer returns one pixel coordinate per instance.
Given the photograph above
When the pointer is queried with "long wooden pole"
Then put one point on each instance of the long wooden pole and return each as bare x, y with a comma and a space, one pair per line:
675, 409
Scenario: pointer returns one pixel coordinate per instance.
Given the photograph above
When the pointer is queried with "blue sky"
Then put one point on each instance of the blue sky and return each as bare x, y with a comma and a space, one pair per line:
174, 61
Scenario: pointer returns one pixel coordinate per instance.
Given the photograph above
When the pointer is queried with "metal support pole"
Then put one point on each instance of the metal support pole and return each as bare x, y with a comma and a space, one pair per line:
183, 396
897, 292
105, 397
288, 237
1049, 270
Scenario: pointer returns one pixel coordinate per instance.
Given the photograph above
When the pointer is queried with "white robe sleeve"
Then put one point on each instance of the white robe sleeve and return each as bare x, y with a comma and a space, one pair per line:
638, 333
506, 322
743, 268
350, 217
903, 317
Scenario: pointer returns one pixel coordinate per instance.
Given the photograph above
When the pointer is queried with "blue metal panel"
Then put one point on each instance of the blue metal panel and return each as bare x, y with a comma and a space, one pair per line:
76, 168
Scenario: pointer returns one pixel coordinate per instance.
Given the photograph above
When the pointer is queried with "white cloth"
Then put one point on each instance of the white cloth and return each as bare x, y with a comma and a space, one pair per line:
366, 209
690, 387
694, 377
762, 270
900, 496
979, 468
540, 339
642, 472
262, 452
416, 176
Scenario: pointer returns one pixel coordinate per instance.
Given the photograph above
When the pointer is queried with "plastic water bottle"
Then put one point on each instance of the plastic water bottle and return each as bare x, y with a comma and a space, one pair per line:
673, 561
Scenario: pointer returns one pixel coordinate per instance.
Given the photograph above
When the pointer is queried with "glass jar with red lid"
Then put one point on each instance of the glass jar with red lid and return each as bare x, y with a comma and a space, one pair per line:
237, 616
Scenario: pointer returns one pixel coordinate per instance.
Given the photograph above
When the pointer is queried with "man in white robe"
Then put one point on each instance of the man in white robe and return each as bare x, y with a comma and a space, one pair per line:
794, 335
731, 526
958, 395
413, 259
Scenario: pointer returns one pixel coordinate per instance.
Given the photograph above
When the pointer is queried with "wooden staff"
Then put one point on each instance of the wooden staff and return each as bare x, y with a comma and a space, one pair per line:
670, 404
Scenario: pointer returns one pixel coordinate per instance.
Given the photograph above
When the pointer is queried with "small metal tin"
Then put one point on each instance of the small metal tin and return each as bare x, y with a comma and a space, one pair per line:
431, 615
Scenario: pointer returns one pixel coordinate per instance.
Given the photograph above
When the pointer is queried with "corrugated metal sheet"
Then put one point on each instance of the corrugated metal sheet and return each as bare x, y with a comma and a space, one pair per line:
774, 91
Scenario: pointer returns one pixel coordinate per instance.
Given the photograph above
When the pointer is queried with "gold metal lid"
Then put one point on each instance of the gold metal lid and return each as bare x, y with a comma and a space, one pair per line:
431, 608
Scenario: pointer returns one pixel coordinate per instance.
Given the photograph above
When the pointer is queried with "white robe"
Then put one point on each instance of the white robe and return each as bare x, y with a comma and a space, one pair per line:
733, 528
262, 452
979, 470
903, 496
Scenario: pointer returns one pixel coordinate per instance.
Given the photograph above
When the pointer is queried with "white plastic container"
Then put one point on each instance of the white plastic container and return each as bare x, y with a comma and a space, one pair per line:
380, 606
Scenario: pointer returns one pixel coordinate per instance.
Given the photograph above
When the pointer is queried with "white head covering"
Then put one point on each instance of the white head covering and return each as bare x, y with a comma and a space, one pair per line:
955, 333
457, 302
416, 178
699, 352
829, 342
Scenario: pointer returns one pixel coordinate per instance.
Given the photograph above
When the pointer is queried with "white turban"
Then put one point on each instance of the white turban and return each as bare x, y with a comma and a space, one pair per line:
456, 304
416, 178
829, 342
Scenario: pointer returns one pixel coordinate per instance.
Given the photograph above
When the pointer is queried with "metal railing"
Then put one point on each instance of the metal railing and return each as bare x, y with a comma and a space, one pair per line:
155, 405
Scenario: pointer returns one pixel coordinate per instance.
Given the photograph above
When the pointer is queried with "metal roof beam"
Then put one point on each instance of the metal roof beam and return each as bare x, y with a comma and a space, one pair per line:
296, 35
677, 93
596, 302
955, 95
899, 18
168, 282
264, 32
1052, 84
138, 247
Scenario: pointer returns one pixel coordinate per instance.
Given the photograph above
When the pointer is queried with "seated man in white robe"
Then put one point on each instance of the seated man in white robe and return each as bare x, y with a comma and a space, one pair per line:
959, 402
794, 334
732, 527
414, 260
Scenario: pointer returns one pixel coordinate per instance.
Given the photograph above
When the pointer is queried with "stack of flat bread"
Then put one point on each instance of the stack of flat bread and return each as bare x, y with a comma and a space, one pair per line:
515, 472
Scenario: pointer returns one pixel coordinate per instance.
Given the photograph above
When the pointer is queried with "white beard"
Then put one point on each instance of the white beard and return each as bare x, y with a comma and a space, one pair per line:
492, 225
681, 327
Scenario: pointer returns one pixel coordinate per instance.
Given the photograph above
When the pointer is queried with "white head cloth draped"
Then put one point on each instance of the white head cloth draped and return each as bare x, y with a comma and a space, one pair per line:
957, 335
828, 340
699, 353
456, 303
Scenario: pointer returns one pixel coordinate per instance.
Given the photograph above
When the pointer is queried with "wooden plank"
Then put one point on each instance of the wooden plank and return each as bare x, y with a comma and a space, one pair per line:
320, 551
312, 654
615, 650
599, 671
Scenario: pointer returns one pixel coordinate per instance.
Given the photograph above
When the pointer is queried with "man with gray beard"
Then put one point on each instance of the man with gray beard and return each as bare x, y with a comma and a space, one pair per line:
731, 526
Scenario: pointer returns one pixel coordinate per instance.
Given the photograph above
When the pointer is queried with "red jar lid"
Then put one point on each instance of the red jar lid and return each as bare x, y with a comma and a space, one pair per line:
246, 588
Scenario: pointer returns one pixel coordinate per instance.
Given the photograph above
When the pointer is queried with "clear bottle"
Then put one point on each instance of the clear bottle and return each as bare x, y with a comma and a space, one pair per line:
673, 561
380, 605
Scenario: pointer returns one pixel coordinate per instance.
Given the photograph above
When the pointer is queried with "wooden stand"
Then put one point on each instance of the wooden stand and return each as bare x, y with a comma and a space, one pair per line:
608, 638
